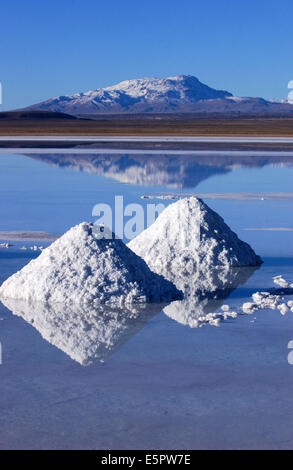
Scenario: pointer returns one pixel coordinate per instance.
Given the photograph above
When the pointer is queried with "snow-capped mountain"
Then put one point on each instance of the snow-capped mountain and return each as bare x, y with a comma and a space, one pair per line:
180, 94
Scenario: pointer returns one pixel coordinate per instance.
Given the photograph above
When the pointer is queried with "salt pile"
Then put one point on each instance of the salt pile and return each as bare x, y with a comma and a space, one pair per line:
187, 237
191, 245
86, 333
87, 264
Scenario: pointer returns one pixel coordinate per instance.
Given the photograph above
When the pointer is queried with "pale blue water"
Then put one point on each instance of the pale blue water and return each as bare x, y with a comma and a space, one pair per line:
38, 196
167, 385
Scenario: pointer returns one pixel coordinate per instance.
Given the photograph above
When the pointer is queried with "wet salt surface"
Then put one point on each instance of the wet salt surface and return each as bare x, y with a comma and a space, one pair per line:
164, 384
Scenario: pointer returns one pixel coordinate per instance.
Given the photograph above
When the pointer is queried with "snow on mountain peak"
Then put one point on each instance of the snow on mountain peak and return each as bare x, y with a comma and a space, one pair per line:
182, 93
136, 95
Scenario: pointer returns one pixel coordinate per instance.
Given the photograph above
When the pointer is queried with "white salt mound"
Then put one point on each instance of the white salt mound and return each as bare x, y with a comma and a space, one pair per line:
87, 264
189, 237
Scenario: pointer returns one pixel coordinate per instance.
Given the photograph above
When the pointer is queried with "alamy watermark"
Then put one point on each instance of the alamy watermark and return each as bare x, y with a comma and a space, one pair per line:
126, 221
290, 94
290, 355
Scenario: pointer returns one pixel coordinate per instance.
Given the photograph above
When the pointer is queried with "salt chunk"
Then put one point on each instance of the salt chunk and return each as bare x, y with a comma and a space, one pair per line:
249, 307
266, 300
280, 281
283, 308
225, 308
232, 314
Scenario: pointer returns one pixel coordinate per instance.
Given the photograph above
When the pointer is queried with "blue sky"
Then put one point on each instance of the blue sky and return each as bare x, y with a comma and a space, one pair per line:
51, 47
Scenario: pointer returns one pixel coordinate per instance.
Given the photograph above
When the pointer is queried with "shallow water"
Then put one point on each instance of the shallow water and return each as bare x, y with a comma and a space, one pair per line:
161, 384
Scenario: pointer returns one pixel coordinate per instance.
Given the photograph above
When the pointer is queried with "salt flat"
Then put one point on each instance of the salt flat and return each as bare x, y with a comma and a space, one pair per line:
166, 384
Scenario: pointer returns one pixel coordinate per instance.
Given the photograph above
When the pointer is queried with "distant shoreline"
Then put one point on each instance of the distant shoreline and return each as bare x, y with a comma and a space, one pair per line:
27, 236
151, 138
151, 143
36, 124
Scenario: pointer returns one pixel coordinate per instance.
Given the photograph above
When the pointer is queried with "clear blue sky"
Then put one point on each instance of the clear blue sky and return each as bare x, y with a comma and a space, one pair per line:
51, 47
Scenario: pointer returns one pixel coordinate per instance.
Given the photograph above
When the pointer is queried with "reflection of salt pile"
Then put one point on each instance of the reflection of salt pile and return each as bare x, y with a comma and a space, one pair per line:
189, 238
202, 307
88, 265
204, 297
86, 333
195, 313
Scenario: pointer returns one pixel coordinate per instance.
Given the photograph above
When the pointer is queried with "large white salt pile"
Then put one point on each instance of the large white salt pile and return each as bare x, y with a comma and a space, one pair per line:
189, 237
86, 333
87, 264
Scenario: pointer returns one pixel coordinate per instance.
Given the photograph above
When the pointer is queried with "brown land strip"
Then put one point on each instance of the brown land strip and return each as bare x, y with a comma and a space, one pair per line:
142, 126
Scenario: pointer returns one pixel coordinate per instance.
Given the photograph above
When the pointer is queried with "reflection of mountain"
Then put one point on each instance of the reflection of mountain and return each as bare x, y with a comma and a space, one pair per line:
173, 171
87, 334
204, 293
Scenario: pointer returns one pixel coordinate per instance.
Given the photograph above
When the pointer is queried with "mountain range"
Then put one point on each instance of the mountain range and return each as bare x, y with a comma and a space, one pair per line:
181, 94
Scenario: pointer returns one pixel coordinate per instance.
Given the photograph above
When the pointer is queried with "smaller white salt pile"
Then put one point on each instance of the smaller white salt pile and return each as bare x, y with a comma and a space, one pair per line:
189, 237
87, 264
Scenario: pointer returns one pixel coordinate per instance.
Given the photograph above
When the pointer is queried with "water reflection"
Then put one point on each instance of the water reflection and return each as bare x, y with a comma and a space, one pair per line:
85, 333
205, 292
172, 171
90, 334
